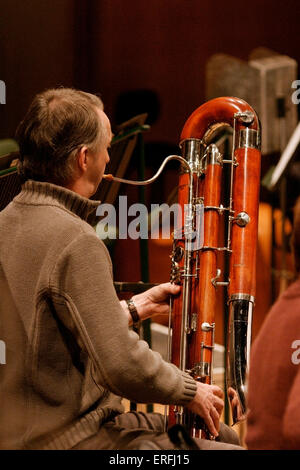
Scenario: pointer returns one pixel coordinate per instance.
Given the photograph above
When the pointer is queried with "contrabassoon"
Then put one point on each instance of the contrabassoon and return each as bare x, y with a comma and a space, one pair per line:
196, 248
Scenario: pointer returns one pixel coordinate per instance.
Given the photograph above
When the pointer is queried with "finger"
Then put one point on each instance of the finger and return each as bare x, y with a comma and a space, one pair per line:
170, 288
216, 418
161, 292
175, 288
219, 404
162, 309
217, 391
210, 425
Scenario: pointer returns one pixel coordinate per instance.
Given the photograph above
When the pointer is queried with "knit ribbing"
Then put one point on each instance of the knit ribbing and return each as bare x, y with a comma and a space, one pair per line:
40, 193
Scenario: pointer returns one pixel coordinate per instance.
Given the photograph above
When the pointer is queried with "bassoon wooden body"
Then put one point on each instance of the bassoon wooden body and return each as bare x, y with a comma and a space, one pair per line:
196, 247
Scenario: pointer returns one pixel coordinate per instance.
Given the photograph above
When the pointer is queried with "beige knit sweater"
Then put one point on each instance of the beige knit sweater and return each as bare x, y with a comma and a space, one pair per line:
70, 355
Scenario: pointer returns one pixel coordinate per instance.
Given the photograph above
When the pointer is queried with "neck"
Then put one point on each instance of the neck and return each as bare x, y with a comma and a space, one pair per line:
43, 193
82, 188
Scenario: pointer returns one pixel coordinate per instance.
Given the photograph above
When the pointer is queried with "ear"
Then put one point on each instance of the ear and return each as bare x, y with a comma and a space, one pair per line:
82, 159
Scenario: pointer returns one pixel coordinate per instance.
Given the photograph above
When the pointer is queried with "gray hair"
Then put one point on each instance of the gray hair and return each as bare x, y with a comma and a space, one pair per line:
57, 124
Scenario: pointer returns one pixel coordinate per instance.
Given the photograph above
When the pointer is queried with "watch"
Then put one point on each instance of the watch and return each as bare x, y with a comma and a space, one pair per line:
133, 312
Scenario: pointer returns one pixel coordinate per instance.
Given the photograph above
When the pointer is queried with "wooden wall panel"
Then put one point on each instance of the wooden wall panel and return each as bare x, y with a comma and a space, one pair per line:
36, 52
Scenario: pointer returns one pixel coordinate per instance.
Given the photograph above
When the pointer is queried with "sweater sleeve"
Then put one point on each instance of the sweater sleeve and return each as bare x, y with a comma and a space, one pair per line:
84, 297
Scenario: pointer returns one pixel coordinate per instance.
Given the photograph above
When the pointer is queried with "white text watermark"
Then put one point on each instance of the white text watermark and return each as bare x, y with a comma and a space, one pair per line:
2, 352
2, 92
296, 354
158, 223
296, 94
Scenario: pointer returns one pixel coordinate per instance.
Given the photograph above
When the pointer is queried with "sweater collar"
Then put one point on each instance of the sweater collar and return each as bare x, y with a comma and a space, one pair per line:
41, 193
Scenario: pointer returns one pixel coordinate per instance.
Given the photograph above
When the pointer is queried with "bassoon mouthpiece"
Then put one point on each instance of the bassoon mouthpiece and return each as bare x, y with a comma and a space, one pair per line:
108, 177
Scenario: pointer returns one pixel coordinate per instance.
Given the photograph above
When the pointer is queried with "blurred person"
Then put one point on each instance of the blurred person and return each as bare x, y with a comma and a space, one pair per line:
273, 420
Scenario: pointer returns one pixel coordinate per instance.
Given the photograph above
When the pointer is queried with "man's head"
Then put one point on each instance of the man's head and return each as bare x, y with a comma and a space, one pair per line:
64, 138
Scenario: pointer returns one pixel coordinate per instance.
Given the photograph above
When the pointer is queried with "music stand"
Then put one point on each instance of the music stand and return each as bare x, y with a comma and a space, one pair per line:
285, 158
10, 181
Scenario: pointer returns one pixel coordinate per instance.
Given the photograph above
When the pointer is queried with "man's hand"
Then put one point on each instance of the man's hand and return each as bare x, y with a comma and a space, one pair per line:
154, 301
208, 403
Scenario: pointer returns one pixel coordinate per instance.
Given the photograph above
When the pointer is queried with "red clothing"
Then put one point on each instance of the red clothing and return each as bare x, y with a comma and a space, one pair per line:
274, 378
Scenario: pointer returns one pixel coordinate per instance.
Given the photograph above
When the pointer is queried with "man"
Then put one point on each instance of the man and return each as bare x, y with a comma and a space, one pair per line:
70, 353
274, 377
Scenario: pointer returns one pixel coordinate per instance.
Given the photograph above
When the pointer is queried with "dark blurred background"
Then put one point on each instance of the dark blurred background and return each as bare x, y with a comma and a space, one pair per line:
114, 46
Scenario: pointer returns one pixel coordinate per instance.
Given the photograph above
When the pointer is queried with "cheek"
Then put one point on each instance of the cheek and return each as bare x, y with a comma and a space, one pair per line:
105, 158
103, 161
101, 164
